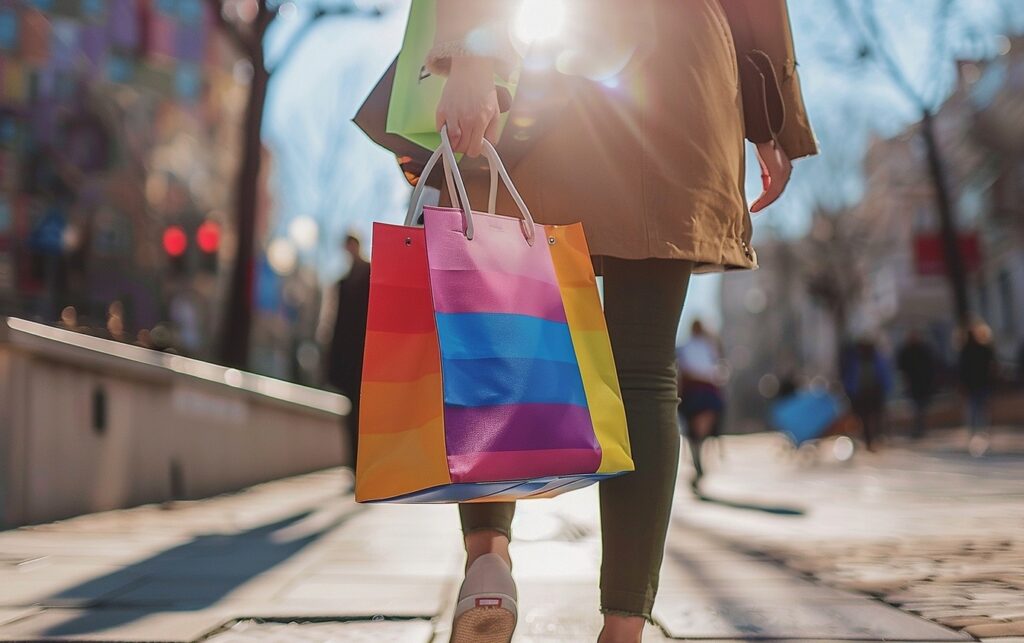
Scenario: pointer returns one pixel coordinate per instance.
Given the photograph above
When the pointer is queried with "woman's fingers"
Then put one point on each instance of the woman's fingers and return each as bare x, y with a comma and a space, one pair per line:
491, 134
454, 131
475, 139
775, 172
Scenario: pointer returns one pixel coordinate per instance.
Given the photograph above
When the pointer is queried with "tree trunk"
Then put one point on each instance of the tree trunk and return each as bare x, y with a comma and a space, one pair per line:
841, 323
955, 271
236, 324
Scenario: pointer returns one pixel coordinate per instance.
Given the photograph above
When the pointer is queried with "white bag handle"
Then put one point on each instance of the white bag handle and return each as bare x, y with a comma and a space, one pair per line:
457, 189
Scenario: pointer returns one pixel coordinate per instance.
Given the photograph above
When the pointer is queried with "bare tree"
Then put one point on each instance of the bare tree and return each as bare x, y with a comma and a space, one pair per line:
873, 46
248, 38
833, 260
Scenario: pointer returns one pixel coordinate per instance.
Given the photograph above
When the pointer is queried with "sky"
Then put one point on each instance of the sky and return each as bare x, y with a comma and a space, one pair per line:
325, 168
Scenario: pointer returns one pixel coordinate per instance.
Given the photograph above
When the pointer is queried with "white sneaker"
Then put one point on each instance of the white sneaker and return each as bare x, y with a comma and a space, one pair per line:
486, 611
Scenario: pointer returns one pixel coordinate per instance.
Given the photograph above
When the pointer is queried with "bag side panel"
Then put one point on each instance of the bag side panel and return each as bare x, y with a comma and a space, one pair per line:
575, 271
401, 424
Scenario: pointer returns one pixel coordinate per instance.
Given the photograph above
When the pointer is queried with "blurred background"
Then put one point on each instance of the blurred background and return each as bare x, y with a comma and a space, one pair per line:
140, 142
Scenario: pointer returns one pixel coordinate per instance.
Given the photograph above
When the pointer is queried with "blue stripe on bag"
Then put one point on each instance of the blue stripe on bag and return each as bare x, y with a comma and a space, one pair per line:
503, 335
494, 381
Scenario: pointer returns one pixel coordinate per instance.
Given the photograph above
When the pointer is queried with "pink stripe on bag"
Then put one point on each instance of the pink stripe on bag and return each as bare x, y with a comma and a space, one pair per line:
498, 245
520, 465
472, 291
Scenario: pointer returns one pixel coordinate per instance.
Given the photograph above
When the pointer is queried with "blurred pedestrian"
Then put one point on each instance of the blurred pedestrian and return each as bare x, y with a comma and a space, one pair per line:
345, 354
977, 372
651, 161
700, 396
1020, 364
867, 379
918, 364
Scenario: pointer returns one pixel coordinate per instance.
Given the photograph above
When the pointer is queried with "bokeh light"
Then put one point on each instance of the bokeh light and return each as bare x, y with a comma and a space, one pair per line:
304, 231
208, 237
282, 256
175, 241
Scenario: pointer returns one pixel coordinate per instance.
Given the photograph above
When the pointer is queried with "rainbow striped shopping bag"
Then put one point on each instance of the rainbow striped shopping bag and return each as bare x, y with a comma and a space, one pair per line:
488, 374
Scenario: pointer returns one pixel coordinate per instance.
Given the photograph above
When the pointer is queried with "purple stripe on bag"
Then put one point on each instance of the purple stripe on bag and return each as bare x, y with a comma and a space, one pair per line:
519, 465
473, 291
497, 246
518, 427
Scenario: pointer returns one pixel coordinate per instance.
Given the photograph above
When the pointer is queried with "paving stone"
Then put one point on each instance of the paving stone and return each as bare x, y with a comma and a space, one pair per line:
178, 593
112, 625
795, 589
744, 617
368, 596
9, 615
381, 631
73, 590
959, 622
992, 630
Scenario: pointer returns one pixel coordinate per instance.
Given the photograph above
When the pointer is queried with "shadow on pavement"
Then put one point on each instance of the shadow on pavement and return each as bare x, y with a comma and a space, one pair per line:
751, 506
191, 576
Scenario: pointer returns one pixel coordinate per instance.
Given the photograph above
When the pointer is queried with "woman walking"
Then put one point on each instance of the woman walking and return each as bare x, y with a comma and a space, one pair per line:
977, 370
700, 395
647, 150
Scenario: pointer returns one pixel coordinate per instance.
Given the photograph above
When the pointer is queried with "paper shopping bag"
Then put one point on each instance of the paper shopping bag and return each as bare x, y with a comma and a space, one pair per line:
488, 374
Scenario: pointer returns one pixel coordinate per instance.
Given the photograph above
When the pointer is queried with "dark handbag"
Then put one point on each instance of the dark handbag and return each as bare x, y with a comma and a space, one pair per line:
544, 92
372, 118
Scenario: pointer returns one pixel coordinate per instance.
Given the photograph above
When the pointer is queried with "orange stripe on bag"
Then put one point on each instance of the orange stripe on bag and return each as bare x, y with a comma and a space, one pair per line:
400, 406
390, 464
398, 357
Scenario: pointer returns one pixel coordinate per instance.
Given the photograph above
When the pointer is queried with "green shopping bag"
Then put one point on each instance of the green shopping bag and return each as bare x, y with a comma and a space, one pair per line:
415, 92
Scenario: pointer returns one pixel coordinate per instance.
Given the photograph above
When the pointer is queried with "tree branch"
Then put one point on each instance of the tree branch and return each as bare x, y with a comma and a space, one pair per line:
941, 40
318, 14
874, 45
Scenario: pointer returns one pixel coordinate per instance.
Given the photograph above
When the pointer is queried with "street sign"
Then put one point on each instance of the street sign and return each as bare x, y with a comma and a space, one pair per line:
929, 258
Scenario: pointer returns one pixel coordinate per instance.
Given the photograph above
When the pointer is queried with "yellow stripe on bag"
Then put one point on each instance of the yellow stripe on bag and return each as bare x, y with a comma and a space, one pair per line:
589, 333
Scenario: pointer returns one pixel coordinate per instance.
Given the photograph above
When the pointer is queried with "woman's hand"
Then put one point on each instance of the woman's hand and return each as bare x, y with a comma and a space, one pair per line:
469, 104
775, 171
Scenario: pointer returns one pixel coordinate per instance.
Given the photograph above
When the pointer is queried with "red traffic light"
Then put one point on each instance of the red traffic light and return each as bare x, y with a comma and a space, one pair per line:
208, 237
175, 241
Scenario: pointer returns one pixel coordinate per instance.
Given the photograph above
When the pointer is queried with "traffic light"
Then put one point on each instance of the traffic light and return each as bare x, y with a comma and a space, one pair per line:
208, 242
175, 243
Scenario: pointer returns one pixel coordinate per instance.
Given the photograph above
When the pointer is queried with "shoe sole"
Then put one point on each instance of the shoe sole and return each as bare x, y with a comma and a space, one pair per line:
484, 619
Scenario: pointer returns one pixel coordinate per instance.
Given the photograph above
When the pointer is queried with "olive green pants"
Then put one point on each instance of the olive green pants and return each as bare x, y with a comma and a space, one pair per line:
643, 300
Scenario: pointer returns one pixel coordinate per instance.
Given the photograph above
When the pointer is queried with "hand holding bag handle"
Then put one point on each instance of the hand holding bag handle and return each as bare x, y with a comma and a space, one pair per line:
457, 191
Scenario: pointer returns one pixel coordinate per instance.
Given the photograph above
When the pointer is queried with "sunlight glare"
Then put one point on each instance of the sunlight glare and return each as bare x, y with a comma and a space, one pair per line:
539, 20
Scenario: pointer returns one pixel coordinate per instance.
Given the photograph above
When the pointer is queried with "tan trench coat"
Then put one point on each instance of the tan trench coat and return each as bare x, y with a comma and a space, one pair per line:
651, 160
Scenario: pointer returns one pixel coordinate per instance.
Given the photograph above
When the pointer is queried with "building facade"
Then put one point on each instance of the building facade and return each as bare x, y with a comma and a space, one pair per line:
877, 270
118, 123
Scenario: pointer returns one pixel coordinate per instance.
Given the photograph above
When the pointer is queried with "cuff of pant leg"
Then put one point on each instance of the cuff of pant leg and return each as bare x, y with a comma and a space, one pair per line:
507, 533
626, 603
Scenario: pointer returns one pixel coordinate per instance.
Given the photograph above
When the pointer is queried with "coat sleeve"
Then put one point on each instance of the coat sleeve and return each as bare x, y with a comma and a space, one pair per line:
472, 28
773, 103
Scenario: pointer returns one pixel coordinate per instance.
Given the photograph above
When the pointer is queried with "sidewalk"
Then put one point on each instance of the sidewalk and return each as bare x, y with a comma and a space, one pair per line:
924, 527
296, 560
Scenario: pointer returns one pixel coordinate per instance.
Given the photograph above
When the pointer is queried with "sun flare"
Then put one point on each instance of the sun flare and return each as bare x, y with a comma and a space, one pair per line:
539, 20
